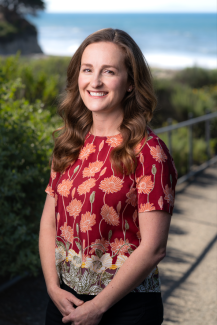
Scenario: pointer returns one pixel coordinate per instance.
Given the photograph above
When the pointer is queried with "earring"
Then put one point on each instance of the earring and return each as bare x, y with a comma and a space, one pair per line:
129, 89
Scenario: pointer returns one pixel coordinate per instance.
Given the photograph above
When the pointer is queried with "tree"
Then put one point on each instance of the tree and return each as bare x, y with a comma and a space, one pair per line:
22, 6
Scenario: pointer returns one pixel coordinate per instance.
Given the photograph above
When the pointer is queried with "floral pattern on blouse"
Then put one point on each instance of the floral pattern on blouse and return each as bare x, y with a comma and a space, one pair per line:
97, 225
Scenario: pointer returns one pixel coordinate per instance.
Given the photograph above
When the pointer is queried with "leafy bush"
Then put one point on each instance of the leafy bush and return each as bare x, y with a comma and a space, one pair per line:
25, 145
176, 101
43, 79
197, 77
180, 147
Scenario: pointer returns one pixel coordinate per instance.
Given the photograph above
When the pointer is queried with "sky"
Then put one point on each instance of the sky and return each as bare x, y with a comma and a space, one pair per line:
130, 6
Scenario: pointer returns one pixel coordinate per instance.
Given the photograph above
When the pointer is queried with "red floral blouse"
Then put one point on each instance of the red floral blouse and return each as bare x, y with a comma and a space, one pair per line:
97, 225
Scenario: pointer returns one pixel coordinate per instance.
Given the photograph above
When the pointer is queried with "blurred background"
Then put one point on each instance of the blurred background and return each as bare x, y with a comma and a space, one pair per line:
37, 40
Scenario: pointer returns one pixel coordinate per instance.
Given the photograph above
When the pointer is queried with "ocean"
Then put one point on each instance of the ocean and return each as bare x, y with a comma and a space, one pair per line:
167, 40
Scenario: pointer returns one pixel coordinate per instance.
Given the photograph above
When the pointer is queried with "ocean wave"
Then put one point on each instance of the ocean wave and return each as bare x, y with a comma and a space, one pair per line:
180, 61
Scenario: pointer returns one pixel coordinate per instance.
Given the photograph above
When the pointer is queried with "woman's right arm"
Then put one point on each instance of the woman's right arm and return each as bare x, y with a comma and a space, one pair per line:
62, 299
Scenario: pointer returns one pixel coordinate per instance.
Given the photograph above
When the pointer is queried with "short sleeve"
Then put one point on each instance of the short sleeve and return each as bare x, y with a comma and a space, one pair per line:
54, 177
156, 177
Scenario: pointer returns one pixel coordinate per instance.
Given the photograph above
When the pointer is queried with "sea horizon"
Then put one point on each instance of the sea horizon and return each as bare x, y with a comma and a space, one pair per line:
167, 40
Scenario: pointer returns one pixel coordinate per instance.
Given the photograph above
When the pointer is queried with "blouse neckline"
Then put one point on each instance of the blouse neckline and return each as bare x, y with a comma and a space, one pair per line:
105, 136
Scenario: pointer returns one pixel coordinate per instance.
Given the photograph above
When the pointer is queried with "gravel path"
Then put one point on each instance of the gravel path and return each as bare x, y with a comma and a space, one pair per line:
188, 272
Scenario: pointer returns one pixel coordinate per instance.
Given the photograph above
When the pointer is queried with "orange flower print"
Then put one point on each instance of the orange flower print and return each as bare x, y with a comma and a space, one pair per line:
146, 207
67, 233
49, 191
58, 217
73, 192
103, 171
110, 215
53, 174
160, 202
119, 207
176, 173
92, 169
114, 141
169, 195
111, 184
158, 154
144, 184
138, 234
87, 221
86, 151
86, 186
137, 149
101, 145
64, 187
134, 216
74, 208
56, 199
132, 197
141, 158
100, 244
116, 246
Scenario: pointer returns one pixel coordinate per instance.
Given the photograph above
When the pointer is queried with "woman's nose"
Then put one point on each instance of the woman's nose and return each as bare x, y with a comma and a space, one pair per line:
96, 81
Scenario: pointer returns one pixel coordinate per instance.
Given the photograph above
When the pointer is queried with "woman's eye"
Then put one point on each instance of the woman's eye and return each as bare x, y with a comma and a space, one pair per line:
86, 70
110, 72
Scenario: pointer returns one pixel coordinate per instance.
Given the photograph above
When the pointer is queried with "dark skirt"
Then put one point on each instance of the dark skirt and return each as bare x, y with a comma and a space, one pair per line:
139, 308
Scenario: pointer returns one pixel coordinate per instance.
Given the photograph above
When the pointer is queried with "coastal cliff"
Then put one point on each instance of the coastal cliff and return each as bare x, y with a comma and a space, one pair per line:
17, 34
26, 44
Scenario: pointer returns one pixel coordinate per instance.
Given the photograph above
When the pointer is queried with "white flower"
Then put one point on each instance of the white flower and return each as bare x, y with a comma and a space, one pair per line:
97, 264
87, 263
60, 254
75, 258
120, 260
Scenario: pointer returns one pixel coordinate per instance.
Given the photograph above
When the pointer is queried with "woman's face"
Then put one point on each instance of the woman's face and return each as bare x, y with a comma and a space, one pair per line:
103, 78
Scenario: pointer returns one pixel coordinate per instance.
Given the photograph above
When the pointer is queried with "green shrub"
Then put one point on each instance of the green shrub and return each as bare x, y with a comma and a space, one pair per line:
176, 101
197, 77
180, 148
25, 147
43, 79
195, 101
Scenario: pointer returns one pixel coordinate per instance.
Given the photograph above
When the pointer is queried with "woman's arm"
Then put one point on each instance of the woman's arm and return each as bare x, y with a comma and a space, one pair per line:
62, 299
154, 228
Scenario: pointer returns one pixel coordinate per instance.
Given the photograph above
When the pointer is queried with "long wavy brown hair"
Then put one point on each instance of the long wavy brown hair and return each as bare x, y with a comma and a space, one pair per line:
138, 106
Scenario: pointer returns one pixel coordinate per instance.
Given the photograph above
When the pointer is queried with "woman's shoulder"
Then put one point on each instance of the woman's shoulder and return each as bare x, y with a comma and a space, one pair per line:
153, 150
153, 145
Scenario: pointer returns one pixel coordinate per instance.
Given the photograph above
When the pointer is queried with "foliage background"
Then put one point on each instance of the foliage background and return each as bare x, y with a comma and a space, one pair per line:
29, 90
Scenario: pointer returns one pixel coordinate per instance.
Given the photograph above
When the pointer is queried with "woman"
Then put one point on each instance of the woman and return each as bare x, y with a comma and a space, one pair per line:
111, 191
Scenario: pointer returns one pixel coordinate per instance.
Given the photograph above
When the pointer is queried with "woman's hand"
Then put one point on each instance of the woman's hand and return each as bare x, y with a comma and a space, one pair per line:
64, 300
86, 314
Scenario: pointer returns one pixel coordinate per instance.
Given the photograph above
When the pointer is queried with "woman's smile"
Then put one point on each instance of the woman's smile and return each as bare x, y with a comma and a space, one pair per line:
97, 94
